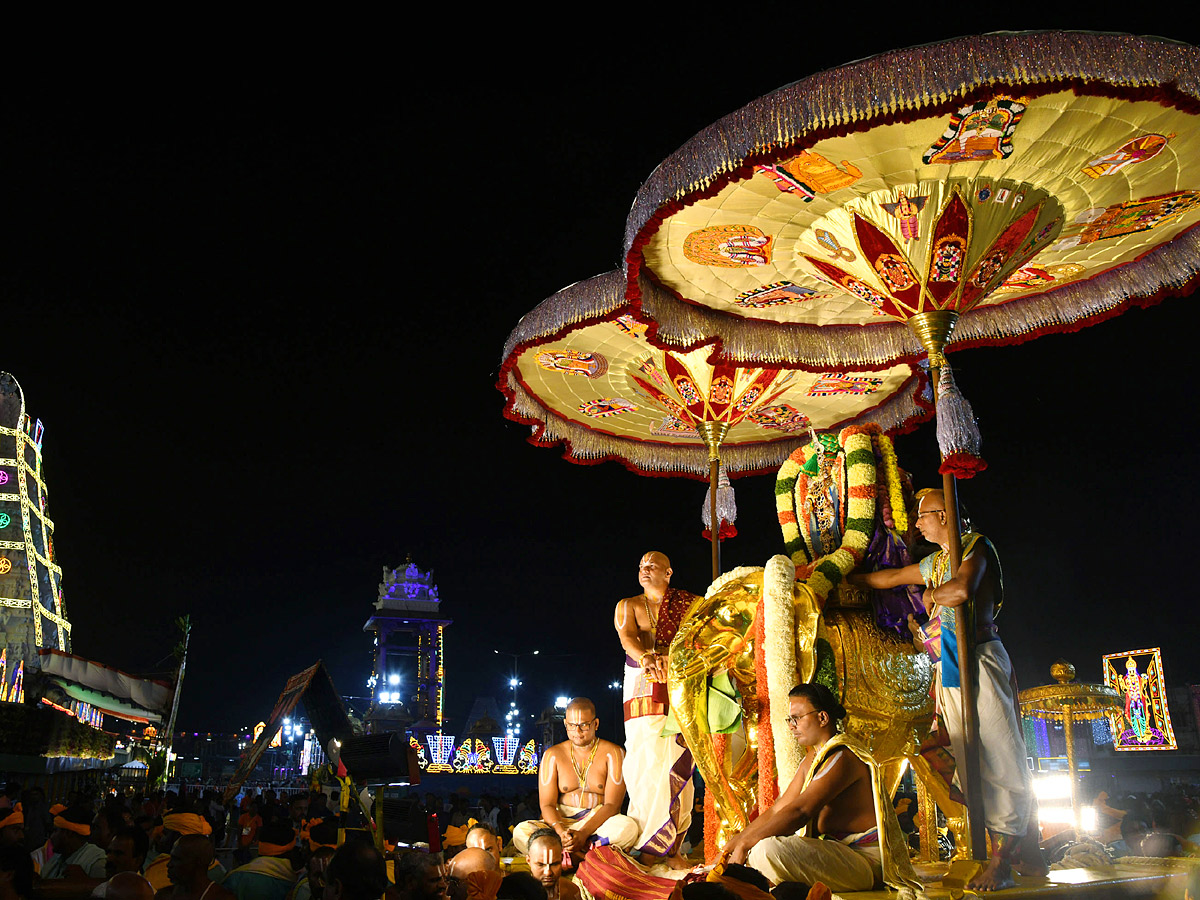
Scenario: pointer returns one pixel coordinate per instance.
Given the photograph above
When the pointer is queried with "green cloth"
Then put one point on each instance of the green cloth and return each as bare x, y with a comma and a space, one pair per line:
724, 707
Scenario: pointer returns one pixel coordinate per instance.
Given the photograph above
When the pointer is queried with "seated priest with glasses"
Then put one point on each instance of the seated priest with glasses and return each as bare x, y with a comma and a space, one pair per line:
581, 788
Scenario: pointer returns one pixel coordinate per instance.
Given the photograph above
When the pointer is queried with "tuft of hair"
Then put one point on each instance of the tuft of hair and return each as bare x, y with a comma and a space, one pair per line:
481, 826
821, 698
545, 834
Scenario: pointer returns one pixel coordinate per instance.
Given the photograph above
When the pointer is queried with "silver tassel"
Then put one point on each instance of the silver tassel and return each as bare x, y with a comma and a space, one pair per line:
726, 503
957, 431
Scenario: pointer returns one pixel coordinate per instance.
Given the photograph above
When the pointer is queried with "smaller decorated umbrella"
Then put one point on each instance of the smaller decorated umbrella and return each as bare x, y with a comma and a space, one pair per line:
583, 371
1068, 701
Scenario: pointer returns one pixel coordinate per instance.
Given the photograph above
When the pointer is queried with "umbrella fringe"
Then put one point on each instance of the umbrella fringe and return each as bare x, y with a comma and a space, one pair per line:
584, 301
585, 445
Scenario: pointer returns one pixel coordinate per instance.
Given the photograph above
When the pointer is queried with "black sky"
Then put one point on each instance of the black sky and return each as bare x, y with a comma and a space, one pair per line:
261, 319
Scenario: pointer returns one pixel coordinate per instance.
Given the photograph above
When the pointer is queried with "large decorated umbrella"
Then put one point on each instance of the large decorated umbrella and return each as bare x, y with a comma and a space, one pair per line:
582, 371
975, 192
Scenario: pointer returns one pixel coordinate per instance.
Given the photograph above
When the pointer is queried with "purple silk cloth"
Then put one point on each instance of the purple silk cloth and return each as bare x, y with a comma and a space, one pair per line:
893, 605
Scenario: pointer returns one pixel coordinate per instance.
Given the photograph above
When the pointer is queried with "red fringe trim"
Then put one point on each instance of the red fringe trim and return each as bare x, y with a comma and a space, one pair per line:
962, 465
726, 531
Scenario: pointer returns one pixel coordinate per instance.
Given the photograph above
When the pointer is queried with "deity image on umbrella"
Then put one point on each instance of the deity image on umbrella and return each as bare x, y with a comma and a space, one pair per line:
856, 225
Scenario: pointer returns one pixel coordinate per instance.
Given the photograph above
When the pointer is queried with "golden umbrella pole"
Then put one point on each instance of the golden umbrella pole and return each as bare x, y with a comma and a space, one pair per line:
713, 433
933, 329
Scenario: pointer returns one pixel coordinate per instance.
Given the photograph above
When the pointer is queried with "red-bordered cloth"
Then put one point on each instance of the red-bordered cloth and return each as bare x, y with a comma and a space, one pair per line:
608, 873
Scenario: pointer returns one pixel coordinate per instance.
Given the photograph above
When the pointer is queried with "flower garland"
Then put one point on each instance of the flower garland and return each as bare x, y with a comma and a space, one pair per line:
779, 651
737, 574
891, 470
768, 787
794, 539
825, 574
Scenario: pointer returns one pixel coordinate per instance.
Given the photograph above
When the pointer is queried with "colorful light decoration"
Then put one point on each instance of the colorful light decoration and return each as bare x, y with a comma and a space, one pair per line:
3, 674
36, 527
1145, 721
440, 748
506, 751
474, 757
16, 693
441, 674
528, 763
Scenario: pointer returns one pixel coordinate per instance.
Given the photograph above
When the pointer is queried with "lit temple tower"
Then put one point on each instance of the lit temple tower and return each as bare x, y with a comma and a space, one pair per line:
32, 613
406, 685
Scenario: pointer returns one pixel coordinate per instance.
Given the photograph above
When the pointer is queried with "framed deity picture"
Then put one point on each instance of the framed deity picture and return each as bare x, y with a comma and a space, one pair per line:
1144, 722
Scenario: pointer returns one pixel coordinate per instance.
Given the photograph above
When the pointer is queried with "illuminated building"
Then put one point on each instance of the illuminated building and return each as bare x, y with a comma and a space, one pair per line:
32, 614
409, 675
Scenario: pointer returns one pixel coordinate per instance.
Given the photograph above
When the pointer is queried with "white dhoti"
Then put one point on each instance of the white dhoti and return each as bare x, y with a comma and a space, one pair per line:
620, 831
838, 865
1004, 776
658, 770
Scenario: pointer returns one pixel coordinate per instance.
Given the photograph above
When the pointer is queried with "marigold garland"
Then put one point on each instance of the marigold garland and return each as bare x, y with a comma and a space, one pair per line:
795, 539
891, 470
768, 791
823, 574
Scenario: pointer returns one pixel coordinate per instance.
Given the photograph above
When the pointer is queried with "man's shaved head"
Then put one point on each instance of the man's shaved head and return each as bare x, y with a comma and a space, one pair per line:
473, 859
654, 572
584, 705
936, 496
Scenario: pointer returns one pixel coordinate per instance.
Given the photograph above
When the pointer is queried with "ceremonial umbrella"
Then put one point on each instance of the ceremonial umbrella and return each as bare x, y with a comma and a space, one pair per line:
979, 191
582, 371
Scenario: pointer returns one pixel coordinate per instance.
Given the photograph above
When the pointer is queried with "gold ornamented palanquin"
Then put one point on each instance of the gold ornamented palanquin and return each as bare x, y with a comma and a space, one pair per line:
881, 679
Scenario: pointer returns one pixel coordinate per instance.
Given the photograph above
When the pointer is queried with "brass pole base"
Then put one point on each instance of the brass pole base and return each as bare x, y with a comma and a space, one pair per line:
933, 330
713, 434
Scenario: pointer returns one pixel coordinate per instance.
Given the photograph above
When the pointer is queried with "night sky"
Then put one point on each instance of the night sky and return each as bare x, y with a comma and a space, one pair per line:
261, 319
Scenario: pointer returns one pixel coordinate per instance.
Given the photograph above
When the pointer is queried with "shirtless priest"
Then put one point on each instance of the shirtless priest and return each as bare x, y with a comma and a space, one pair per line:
835, 823
580, 788
658, 767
